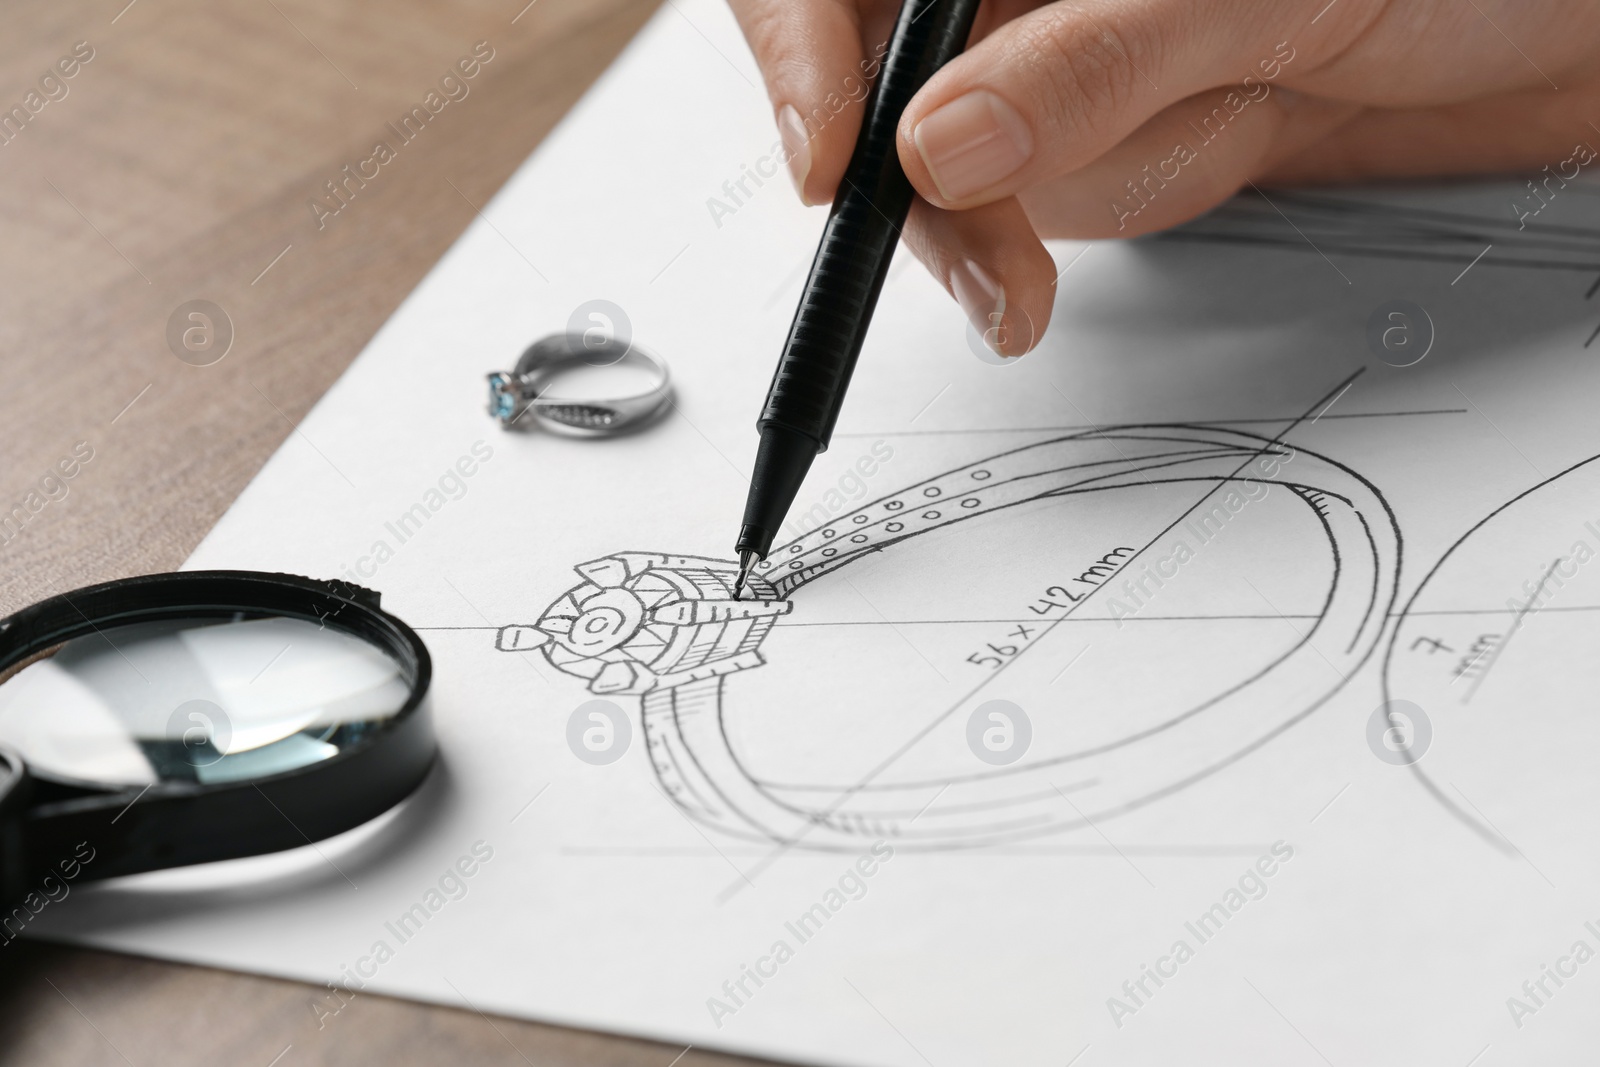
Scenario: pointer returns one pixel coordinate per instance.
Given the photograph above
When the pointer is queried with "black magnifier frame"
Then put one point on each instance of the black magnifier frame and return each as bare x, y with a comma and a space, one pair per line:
44, 816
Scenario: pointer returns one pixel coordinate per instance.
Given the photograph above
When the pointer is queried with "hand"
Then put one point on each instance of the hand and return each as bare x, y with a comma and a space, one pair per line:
1113, 118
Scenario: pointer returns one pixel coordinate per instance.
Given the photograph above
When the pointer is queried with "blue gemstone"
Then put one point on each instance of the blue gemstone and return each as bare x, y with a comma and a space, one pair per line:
502, 403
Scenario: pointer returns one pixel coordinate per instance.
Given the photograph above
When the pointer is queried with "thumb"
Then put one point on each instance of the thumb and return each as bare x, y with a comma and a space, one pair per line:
1051, 91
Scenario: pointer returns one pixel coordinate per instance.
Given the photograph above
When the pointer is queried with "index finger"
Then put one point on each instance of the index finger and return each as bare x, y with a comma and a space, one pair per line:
818, 71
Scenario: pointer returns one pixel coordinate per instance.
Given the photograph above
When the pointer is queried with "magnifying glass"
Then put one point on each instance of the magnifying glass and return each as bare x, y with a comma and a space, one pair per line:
174, 719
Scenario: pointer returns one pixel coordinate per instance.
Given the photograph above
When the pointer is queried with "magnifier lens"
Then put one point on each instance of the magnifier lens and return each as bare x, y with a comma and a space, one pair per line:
205, 700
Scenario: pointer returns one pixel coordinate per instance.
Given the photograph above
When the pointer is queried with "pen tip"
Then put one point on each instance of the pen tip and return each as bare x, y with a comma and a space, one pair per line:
746, 559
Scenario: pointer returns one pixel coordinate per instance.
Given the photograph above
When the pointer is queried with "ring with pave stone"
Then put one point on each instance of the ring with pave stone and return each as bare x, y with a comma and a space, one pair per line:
523, 394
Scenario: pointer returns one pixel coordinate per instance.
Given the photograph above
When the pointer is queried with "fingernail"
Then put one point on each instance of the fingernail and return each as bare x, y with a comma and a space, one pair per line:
796, 146
972, 143
984, 301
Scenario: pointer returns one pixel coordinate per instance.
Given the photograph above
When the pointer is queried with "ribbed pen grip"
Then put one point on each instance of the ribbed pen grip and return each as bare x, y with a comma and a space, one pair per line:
863, 229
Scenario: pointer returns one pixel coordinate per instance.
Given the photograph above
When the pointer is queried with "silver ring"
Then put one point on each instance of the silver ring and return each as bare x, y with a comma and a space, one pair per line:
525, 391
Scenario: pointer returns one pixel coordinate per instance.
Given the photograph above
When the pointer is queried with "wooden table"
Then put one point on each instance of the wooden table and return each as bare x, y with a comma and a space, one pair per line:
179, 165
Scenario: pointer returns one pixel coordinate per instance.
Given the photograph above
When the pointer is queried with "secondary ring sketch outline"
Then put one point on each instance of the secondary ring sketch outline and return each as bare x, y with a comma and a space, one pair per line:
1475, 823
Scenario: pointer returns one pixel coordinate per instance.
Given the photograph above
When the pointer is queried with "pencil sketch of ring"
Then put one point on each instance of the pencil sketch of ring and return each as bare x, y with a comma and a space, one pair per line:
1244, 661
524, 394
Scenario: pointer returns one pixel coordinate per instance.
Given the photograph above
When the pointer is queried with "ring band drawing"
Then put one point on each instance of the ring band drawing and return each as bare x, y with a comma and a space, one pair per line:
524, 391
665, 628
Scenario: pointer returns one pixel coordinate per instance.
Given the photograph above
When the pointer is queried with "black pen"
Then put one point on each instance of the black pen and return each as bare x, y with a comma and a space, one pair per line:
846, 276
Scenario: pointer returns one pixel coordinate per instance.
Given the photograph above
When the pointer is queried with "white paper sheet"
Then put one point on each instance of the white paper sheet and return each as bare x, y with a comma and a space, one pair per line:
1203, 767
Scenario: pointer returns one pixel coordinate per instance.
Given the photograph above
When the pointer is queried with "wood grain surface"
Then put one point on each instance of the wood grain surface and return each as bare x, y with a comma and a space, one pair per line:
176, 164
